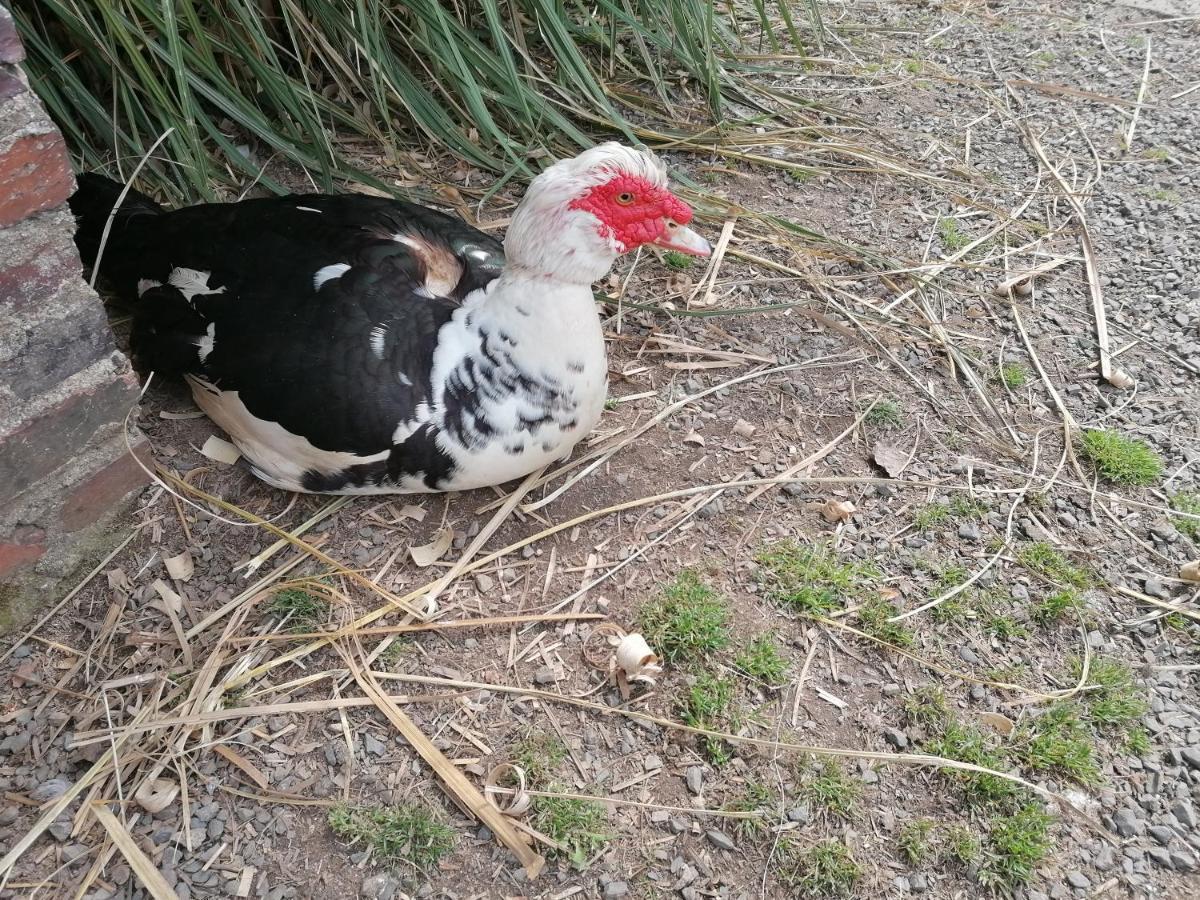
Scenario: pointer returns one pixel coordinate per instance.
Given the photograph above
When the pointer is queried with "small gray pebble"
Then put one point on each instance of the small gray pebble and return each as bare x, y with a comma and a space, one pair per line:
1185, 813
719, 839
1160, 857
896, 738
379, 887
1078, 880
1161, 833
695, 779
616, 889
374, 745
49, 790
1155, 588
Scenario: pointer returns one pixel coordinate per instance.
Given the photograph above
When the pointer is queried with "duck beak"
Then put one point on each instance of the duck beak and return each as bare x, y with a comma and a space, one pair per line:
682, 239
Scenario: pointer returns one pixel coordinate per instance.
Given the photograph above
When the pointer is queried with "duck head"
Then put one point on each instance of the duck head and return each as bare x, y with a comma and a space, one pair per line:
580, 214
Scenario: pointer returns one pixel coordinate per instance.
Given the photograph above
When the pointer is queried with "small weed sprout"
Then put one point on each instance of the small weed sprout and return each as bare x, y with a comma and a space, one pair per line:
406, 834
914, 841
538, 753
1015, 845
754, 798
1112, 697
673, 259
1014, 375
1189, 504
961, 846
968, 744
706, 706
762, 660
874, 618
826, 869
1042, 559
579, 825
928, 708
1120, 459
931, 516
1058, 741
302, 611
952, 234
830, 789
1004, 628
1054, 607
811, 580
885, 414
394, 652
689, 621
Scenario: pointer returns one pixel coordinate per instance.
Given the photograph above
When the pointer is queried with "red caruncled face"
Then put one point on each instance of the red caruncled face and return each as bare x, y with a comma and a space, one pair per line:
633, 211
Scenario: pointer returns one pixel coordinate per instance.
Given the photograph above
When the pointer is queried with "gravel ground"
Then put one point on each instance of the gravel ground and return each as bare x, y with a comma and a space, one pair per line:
946, 105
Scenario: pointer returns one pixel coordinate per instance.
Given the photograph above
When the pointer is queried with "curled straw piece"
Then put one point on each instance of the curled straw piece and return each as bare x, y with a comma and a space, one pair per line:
624, 656
512, 802
636, 661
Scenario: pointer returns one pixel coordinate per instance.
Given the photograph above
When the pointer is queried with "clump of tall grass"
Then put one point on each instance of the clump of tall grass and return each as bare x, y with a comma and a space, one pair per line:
331, 84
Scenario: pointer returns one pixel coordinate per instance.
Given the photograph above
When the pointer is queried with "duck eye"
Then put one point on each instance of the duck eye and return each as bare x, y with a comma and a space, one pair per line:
625, 198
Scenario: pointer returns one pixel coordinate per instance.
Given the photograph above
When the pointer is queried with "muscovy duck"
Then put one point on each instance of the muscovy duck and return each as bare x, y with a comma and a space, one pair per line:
357, 345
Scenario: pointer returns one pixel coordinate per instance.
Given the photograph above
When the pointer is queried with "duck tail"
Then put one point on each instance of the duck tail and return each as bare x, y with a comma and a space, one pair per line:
93, 202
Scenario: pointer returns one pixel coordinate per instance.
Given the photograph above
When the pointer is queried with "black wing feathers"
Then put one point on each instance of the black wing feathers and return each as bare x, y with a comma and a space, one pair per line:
342, 364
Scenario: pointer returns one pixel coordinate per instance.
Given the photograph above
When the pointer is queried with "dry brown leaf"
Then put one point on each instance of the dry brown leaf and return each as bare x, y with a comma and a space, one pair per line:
156, 794
147, 873
694, 438
221, 451
427, 554
118, 580
891, 459
244, 764
416, 513
1000, 722
1190, 571
744, 429
180, 567
837, 510
171, 599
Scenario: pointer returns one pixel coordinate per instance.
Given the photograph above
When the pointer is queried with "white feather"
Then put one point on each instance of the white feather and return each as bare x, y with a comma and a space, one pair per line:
192, 282
325, 273
280, 456
377, 339
204, 345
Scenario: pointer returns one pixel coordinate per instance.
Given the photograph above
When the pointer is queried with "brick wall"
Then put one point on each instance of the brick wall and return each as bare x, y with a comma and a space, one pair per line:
66, 477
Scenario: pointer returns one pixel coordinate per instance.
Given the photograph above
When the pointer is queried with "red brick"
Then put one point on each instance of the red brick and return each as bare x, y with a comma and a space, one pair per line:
11, 50
35, 174
11, 84
34, 267
25, 545
88, 502
57, 435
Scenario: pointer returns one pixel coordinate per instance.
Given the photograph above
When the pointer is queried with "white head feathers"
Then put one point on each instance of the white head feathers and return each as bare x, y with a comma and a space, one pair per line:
546, 235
